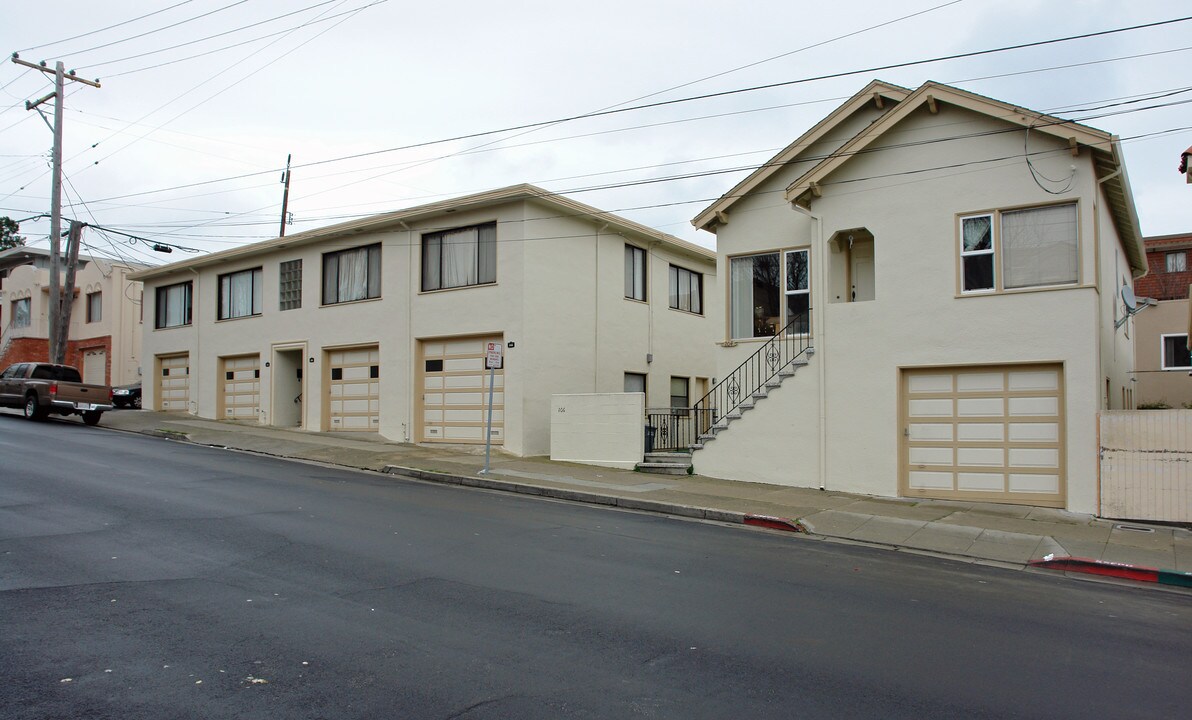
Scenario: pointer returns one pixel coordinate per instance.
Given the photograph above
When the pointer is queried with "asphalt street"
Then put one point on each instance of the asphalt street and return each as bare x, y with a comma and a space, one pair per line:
144, 578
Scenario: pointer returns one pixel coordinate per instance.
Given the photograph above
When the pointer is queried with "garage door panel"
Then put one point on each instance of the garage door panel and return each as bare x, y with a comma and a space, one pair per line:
455, 391
993, 433
354, 389
240, 386
981, 382
174, 382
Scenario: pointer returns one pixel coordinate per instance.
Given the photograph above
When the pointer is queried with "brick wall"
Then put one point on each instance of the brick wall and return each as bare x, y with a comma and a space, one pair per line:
38, 350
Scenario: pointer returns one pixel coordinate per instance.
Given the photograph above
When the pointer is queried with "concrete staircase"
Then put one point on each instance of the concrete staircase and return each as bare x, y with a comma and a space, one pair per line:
666, 463
751, 402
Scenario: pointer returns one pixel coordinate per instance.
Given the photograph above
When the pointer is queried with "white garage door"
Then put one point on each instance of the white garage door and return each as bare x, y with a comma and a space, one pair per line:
354, 389
990, 433
241, 382
95, 367
173, 383
455, 391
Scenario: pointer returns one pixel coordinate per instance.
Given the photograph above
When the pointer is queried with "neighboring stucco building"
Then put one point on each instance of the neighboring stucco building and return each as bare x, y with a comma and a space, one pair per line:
105, 323
1163, 367
380, 324
960, 302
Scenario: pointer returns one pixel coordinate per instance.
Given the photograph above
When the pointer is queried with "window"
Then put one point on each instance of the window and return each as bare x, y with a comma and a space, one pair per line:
686, 290
94, 307
1007, 250
21, 313
635, 382
635, 273
173, 306
240, 294
770, 292
289, 285
1177, 261
679, 393
1175, 353
351, 275
459, 258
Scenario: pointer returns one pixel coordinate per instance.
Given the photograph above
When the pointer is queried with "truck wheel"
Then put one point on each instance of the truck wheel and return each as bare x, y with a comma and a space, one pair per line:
91, 417
33, 409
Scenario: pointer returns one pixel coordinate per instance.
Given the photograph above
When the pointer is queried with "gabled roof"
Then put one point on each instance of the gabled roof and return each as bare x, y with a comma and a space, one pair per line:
564, 205
1106, 149
876, 91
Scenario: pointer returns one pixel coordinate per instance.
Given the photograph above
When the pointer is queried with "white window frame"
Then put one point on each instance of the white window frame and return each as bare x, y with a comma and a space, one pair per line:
788, 292
990, 251
784, 290
1163, 351
227, 309
997, 250
636, 273
695, 290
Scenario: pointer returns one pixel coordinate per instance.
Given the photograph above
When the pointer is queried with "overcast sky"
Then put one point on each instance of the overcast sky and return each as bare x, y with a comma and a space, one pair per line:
329, 83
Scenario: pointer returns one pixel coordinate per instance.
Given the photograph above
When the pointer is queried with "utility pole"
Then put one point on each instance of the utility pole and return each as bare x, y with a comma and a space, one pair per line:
285, 198
57, 334
73, 240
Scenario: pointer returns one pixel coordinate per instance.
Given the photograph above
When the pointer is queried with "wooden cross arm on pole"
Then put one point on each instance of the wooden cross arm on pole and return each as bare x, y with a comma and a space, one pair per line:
69, 76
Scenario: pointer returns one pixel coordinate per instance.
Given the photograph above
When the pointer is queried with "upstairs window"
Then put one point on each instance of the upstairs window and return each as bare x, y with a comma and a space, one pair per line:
94, 307
459, 258
635, 273
21, 313
1177, 261
351, 275
173, 306
1013, 249
289, 285
686, 290
240, 294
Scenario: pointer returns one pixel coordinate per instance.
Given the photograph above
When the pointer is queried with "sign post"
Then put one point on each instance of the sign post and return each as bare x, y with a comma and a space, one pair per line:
492, 361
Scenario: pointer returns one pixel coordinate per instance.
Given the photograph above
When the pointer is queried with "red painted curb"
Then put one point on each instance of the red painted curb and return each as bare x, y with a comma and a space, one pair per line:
774, 523
1098, 567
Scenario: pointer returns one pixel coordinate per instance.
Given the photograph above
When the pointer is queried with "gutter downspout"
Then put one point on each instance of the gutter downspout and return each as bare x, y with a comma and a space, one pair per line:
818, 338
596, 313
1100, 317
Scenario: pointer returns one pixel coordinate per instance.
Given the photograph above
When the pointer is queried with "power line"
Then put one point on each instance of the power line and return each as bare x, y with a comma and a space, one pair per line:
157, 30
755, 88
109, 27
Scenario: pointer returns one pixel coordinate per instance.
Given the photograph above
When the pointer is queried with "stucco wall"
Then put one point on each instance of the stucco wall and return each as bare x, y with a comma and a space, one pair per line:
1154, 385
598, 429
918, 317
571, 329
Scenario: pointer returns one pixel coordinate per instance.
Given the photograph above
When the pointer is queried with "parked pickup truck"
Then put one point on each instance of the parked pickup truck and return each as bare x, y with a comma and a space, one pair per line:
44, 388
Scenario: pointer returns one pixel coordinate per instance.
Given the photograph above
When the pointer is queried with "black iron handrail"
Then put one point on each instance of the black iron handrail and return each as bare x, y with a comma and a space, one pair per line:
676, 428
758, 369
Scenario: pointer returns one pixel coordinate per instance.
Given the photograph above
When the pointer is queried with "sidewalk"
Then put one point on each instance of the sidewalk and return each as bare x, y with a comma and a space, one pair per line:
1008, 536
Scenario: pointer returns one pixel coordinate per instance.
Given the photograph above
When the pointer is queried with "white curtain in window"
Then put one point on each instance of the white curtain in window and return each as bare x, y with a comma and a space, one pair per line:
488, 253
175, 305
20, 313
741, 321
241, 289
460, 250
353, 275
1039, 246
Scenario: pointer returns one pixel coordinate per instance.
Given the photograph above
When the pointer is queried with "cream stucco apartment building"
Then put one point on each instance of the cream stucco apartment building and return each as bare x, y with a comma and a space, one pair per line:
105, 324
954, 264
380, 324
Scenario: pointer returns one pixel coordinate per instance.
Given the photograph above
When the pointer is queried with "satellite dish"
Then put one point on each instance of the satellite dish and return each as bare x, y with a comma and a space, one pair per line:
1128, 298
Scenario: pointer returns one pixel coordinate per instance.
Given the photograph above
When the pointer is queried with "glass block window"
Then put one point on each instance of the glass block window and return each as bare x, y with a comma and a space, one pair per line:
290, 285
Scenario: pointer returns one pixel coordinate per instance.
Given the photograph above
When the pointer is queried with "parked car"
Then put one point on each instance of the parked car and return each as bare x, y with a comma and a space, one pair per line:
127, 395
43, 388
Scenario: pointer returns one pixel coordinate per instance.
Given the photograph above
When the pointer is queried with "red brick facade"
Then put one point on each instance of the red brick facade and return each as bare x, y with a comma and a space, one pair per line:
38, 350
1158, 283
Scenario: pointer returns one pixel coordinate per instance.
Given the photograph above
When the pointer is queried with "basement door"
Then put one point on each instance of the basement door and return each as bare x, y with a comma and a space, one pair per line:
454, 385
241, 381
354, 389
173, 382
991, 433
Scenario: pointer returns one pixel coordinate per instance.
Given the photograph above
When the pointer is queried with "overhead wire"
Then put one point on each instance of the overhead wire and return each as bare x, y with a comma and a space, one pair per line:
156, 30
105, 29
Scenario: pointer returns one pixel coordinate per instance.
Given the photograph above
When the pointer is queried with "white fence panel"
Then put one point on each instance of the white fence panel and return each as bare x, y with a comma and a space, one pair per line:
1146, 465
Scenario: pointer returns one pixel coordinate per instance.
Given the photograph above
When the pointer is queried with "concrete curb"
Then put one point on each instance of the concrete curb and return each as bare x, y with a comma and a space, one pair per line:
1123, 571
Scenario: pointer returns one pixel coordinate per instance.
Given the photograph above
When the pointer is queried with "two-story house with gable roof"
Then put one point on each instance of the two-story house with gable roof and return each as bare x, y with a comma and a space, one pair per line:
920, 299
